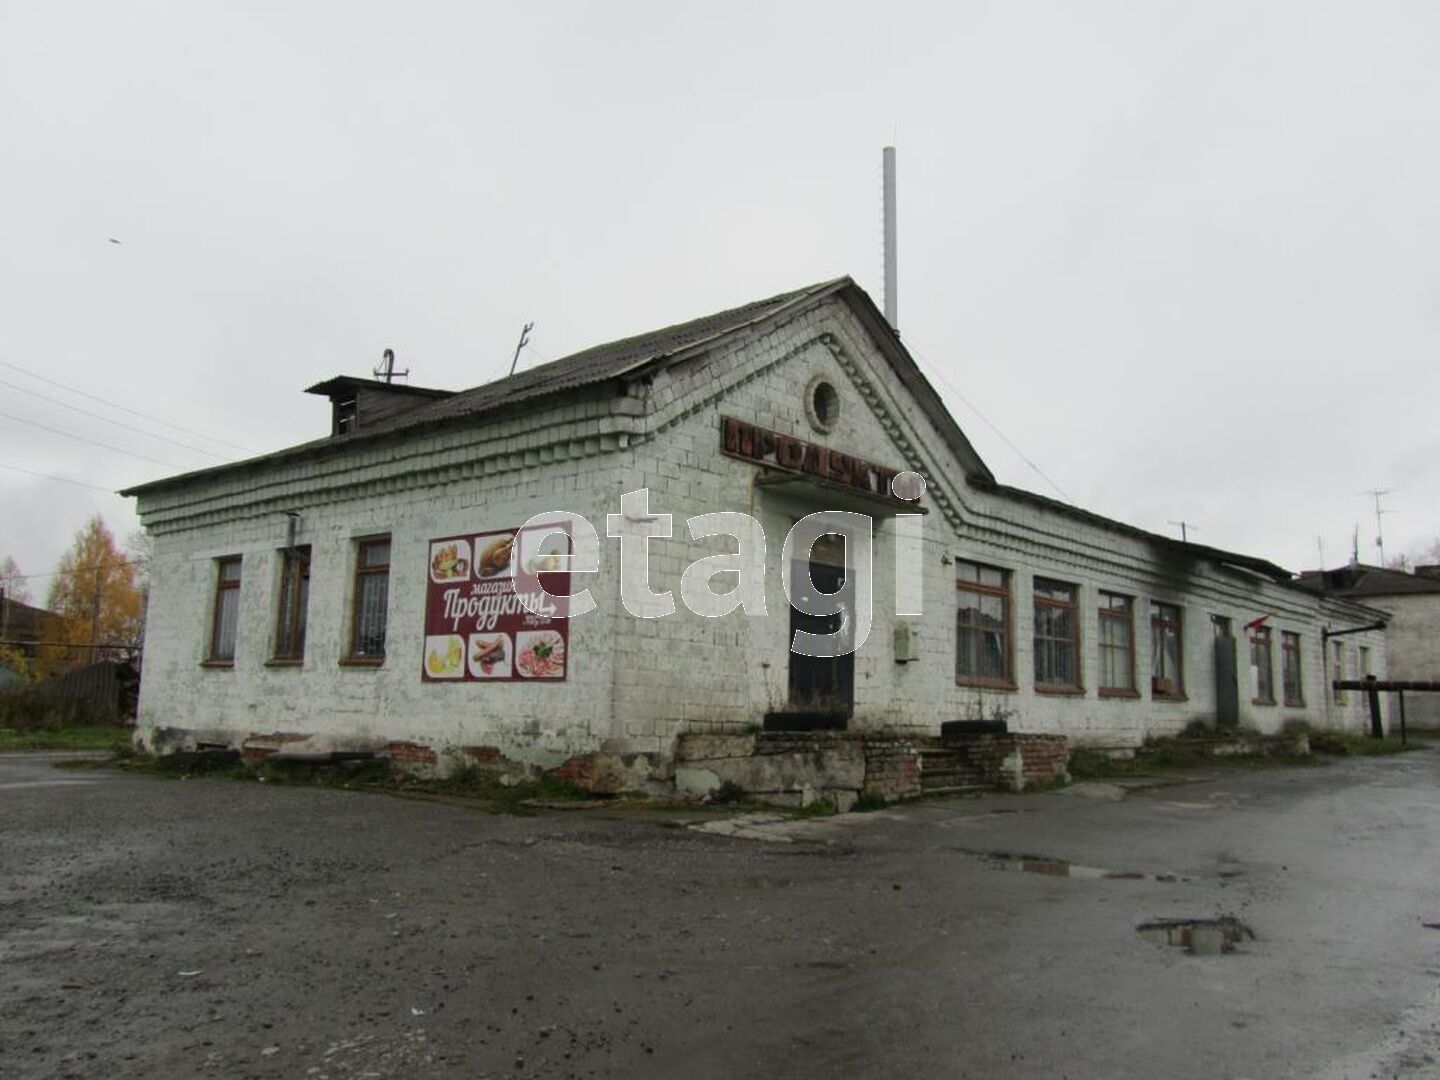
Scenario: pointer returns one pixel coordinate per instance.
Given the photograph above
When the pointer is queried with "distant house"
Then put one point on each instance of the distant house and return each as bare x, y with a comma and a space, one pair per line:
24, 628
1412, 635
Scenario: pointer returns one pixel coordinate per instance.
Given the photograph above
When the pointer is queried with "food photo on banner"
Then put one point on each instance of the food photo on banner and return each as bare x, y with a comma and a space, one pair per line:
476, 628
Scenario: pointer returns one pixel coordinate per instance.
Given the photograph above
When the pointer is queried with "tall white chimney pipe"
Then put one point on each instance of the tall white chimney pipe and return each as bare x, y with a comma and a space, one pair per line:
888, 158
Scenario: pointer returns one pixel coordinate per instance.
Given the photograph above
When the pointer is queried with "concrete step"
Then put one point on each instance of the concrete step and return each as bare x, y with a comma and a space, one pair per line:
946, 778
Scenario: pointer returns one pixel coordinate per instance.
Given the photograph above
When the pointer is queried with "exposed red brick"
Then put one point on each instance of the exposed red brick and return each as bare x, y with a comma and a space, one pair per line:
410, 753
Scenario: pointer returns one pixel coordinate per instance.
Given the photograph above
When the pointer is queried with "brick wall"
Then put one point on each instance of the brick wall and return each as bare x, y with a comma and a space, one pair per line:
1016, 761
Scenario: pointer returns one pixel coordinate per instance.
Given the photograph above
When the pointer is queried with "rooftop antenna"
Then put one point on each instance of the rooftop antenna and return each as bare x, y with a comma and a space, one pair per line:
386, 371
1320, 543
887, 157
524, 340
1185, 527
1375, 493
1355, 547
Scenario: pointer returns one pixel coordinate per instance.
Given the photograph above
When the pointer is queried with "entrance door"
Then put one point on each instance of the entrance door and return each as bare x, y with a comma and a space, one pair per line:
1227, 686
822, 688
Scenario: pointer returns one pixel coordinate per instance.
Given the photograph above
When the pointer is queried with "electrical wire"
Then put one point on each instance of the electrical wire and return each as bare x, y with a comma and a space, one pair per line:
92, 442
57, 573
122, 408
985, 420
107, 420
62, 479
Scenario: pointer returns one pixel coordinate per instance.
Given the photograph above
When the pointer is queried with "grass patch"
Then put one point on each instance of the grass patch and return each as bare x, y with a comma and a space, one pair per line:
868, 803
114, 739
1346, 744
1169, 755
365, 774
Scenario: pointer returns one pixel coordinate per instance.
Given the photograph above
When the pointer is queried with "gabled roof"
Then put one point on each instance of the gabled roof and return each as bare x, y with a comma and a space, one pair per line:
1361, 580
612, 360
625, 358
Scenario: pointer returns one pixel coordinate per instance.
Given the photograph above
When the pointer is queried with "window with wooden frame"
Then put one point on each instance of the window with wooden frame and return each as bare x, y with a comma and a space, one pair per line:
225, 619
1167, 675
372, 594
1057, 636
1365, 671
1290, 668
1337, 669
294, 599
982, 626
1117, 645
1262, 661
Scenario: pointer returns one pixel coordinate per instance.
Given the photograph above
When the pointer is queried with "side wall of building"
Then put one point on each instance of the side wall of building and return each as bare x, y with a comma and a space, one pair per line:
1414, 651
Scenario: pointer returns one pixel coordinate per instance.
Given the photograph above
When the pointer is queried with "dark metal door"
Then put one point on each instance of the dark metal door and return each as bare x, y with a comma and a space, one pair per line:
1227, 685
821, 685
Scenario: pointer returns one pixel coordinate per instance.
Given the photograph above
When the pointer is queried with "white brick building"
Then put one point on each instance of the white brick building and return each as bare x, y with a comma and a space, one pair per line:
1412, 634
237, 651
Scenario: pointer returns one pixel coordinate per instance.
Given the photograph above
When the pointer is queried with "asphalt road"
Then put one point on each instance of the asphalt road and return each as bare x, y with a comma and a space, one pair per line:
166, 928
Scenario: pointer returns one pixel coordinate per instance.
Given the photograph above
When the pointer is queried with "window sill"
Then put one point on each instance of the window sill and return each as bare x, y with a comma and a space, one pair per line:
1294, 703
1060, 691
1262, 701
1169, 697
285, 661
362, 661
220, 665
985, 684
1119, 692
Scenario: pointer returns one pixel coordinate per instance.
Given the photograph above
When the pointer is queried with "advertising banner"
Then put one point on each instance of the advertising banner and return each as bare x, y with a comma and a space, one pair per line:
476, 628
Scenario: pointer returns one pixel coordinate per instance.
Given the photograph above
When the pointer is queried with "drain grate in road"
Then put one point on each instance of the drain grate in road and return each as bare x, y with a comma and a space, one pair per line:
1198, 937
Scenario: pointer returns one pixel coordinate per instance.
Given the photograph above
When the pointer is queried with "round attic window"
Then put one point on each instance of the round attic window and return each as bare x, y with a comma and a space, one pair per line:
823, 404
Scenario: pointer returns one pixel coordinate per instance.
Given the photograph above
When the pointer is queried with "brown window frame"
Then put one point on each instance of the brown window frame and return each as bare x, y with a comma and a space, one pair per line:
1158, 622
223, 586
1263, 641
1294, 690
363, 572
294, 572
1076, 685
1337, 670
1003, 592
1123, 615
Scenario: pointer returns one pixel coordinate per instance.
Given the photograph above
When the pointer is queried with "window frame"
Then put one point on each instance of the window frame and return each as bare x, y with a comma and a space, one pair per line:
353, 657
1003, 592
1263, 641
224, 586
1158, 623
1337, 671
294, 571
1125, 616
1077, 685
1290, 649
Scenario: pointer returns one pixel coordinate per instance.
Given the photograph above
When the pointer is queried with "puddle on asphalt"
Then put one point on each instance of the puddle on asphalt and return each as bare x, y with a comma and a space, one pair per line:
1198, 937
1039, 864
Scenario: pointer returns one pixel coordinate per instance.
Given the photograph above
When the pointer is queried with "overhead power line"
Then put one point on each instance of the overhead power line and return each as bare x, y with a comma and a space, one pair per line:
910, 345
92, 442
122, 408
57, 573
62, 479
107, 420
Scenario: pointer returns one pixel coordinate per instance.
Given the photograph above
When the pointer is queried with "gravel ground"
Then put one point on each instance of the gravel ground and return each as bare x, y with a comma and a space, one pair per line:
155, 927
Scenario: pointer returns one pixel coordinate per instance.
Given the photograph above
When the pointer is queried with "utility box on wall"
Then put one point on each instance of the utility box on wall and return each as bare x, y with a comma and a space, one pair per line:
907, 643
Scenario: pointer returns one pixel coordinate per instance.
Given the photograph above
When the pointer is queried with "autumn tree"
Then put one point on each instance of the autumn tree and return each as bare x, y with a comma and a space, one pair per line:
96, 592
12, 582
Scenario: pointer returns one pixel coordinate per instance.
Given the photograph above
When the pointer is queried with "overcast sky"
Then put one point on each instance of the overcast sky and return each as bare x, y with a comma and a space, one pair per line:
1185, 256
